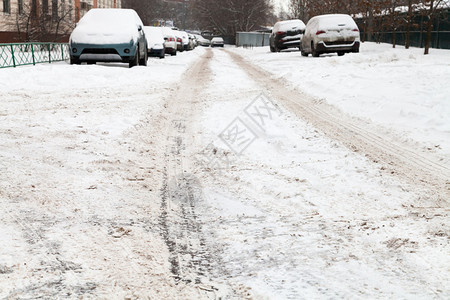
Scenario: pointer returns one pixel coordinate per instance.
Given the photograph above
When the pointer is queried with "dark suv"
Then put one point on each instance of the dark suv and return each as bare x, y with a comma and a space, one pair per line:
286, 34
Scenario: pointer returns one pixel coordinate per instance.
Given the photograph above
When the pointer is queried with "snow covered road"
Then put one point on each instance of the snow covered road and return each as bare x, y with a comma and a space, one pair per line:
201, 176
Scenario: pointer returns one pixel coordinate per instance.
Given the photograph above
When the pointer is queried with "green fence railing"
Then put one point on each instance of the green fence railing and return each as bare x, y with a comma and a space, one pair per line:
14, 55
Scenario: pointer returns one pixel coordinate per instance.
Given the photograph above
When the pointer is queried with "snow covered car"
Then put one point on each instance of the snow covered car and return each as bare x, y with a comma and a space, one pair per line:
203, 42
170, 40
286, 34
192, 41
329, 34
109, 35
179, 37
217, 42
185, 40
155, 41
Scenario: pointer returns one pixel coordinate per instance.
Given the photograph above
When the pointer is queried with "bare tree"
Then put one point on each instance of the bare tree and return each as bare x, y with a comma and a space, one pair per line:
432, 7
33, 24
230, 16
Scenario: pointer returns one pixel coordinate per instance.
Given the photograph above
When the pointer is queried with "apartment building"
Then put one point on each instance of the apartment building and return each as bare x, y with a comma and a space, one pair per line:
67, 12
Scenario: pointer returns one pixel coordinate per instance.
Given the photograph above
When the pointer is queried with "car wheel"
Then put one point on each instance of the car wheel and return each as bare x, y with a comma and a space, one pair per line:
163, 55
272, 49
314, 52
143, 61
135, 61
174, 53
91, 62
340, 53
74, 61
277, 49
305, 54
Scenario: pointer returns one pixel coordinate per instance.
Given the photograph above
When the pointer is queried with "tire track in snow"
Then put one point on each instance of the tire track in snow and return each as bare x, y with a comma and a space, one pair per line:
190, 259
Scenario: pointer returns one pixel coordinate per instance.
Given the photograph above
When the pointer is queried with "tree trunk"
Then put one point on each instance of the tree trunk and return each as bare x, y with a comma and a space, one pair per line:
370, 23
429, 26
408, 24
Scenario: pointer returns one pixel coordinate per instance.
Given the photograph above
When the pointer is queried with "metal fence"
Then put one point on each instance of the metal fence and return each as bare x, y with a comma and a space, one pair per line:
252, 39
439, 39
14, 55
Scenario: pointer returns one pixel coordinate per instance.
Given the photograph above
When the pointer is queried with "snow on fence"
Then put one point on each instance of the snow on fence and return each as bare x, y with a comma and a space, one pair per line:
13, 55
252, 39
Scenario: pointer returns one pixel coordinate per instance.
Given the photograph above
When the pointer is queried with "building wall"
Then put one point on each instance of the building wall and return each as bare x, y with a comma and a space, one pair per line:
7, 18
75, 8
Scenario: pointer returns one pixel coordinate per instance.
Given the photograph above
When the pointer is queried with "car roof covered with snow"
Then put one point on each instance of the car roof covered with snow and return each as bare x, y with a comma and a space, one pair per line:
332, 21
154, 35
289, 25
107, 26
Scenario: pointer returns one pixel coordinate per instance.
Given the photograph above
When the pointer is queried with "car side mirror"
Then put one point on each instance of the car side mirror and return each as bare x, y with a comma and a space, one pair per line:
165, 38
139, 28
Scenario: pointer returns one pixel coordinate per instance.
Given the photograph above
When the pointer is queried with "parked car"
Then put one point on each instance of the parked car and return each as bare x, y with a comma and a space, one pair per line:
329, 34
203, 42
185, 39
217, 42
109, 35
170, 40
155, 41
286, 34
179, 36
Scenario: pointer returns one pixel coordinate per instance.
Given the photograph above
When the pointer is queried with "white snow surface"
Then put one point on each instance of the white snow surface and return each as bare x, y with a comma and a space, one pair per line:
402, 91
70, 154
296, 215
309, 218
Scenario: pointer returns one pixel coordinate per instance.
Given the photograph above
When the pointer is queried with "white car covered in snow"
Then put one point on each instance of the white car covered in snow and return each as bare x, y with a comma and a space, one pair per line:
217, 42
202, 41
109, 35
329, 34
170, 39
155, 41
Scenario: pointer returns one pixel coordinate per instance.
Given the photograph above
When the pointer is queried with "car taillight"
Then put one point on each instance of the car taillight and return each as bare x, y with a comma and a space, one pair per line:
356, 29
320, 32
281, 32
178, 40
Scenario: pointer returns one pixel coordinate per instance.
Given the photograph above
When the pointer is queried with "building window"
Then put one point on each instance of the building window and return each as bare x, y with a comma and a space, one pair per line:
20, 6
45, 7
7, 6
55, 10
